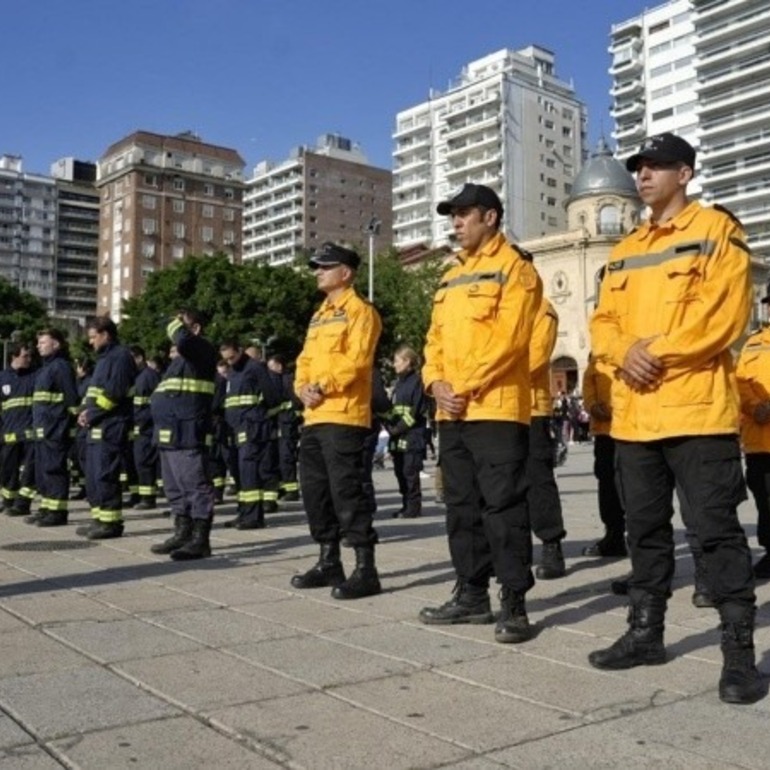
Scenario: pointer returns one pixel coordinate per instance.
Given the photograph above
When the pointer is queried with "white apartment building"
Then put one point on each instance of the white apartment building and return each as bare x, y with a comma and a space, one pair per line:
701, 68
27, 230
328, 192
508, 122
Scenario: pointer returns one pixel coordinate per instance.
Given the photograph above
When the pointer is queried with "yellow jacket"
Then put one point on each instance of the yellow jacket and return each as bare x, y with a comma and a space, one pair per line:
338, 355
687, 283
480, 330
753, 375
544, 332
597, 389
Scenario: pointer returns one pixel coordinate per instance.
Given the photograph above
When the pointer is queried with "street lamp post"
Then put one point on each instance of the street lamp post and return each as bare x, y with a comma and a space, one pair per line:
373, 228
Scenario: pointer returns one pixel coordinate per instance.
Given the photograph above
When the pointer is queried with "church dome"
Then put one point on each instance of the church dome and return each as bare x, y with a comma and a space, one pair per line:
603, 174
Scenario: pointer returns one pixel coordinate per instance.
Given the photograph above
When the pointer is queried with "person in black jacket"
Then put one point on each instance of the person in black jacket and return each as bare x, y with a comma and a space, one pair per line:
252, 394
182, 425
289, 418
54, 405
84, 371
107, 415
145, 451
17, 451
406, 426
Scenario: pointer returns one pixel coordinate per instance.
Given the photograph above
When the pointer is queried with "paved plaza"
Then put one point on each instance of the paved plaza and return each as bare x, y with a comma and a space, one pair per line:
112, 657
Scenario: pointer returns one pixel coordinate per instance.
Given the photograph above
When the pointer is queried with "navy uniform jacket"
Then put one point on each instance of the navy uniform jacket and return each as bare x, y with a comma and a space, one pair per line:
406, 423
55, 399
252, 396
16, 389
108, 398
181, 404
144, 386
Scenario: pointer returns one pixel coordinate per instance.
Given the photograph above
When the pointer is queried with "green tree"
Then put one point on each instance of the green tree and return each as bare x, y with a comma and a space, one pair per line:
20, 312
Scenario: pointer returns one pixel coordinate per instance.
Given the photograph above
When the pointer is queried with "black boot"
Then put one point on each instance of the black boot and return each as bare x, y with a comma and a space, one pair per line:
469, 604
740, 681
701, 596
145, 504
105, 530
364, 581
552, 562
326, 572
52, 519
512, 624
198, 546
612, 545
183, 528
642, 644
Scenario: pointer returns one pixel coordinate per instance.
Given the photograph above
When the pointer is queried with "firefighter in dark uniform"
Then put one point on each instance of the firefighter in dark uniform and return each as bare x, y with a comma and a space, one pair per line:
54, 405
107, 416
220, 433
288, 430
145, 451
17, 452
251, 394
270, 470
181, 413
406, 427
84, 371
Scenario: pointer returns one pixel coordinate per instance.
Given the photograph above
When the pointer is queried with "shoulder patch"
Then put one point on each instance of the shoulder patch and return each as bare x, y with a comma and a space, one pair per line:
616, 265
528, 279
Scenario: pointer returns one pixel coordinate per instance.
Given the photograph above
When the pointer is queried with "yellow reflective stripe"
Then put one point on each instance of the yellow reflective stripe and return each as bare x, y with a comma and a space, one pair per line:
269, 495
27, 492
250, 496
146, 491
164, 436
16, 403
174, 326
250, 399
9, 438
290, 486
141, 400
39, 433
52, 504
109, 516
96, 434
47, 397
186, 385
100, 397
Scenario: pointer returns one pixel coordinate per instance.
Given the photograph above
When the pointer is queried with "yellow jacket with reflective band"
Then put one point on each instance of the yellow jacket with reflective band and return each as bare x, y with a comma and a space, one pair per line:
753, 374
541, 347
480, 331
597, 389
338, 355
687, 283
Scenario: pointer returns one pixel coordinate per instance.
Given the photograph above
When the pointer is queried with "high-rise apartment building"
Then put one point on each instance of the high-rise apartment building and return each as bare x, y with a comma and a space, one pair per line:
329, 192
27, 230
508, 122
77, 239
701, 69
162, 198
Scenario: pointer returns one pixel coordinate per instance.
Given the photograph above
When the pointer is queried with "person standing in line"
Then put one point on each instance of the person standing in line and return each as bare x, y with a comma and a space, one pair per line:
334, 382
545, 512
288, 429
181, 415
107, 417
54, 406
17, 450
676, 295
406, 428
753, 374
477, 369
145, 451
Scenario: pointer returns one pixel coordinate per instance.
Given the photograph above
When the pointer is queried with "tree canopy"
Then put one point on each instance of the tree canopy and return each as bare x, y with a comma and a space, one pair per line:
20, 312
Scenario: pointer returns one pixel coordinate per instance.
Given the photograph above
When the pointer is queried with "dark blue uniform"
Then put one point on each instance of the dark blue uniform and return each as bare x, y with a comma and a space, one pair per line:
17, 452
289, 418
54, 405
145, 451
109, 412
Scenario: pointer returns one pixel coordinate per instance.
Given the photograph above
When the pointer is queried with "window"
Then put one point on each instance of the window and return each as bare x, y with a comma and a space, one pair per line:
178, 206
148, 226
228, 237
551, 182
208, 189
549, 124
551, 201
148, 201
207, 211
207, 233
151, 180
177, 251
229, 193
228, 215
550, 163
178, 229
148, 249
178, 183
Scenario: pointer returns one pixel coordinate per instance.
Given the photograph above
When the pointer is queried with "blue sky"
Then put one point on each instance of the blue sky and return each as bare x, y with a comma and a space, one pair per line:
263, 76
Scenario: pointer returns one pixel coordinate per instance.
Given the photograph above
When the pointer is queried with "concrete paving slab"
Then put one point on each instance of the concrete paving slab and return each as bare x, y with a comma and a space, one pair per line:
115, 640
57, 606
442, 706
208, 679
180, 743
54, 704
144, 596
226, 591
28, 651
12, 734
9, 622
28, 758
319, 731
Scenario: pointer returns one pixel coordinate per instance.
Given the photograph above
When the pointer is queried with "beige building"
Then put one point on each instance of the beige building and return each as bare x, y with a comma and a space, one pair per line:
602, 208
162, 198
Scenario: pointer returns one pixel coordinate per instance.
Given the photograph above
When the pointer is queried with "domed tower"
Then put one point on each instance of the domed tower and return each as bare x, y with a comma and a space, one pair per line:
603, 200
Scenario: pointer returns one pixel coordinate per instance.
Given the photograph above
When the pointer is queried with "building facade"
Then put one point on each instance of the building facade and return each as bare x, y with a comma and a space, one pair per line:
508, 122
162, 198
701, 69
329, 192
27, 230
77, 239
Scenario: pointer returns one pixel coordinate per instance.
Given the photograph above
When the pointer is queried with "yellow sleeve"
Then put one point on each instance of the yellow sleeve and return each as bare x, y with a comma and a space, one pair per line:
752, 392
544, 333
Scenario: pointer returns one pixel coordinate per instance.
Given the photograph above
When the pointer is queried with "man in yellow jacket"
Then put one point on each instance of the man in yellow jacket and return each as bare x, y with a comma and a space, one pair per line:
477, 369
334, 382
753, 375
676, 295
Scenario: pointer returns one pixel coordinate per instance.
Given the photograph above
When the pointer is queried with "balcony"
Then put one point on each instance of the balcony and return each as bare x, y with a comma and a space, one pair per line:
628, 88
628, 109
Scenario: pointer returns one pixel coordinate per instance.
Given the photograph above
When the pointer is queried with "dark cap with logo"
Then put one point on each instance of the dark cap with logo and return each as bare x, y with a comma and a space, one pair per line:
665, 148
471, 195
332, 254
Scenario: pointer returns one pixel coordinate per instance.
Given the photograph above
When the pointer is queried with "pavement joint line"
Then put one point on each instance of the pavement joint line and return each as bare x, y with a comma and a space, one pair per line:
34, 738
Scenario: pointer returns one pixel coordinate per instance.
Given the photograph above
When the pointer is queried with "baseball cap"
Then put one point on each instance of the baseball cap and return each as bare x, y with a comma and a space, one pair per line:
666, 148
471, 195
332, 254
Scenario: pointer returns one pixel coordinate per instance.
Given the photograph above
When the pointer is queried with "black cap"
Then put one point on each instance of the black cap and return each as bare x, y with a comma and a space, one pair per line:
332, 254
766, 298
666, 148
471, 195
